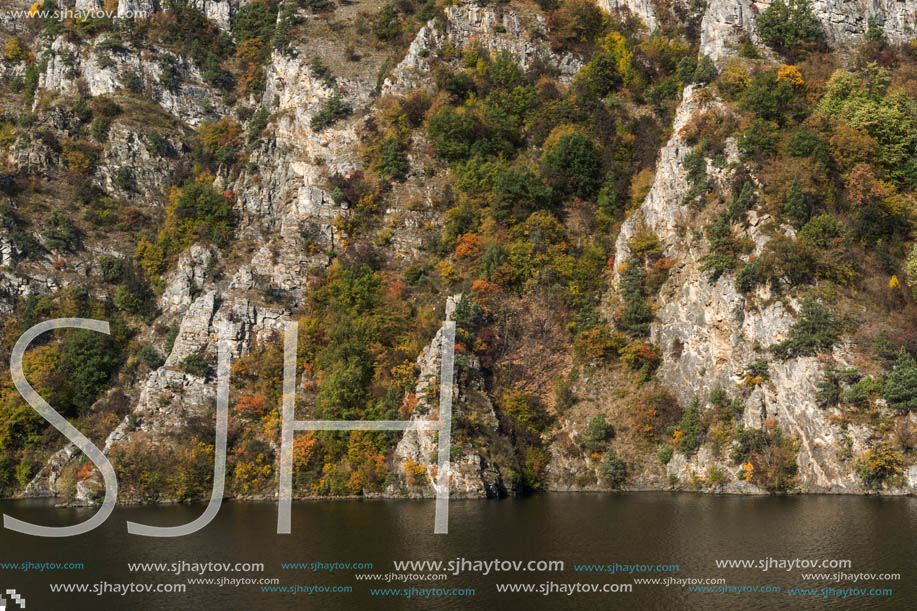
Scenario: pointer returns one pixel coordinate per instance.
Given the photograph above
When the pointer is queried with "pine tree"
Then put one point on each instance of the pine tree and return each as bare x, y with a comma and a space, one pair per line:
637, 314
706, 71
796, 208
901, 386
743, 202
685, 70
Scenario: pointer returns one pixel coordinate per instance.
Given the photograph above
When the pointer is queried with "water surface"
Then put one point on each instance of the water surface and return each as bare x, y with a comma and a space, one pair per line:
692, 531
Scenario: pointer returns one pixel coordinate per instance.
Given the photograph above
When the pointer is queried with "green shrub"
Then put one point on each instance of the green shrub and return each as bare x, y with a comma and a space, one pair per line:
254, 20
757, 369
60, 233
724, 249
759, 140
770, 454
572, 166
613, 469
696, 166
862, 394
665, 91
333, 109
453, 133
665, 455
598, 432
822, 231
796, 262
32, 74
149, 357
258, 122
159, 144
637, 314
168, 72
687, 65
81, 109
518, 191
831, 386
23, 241
288, 17
130, 80
321, 72
210, 213
706, 71
874, 33
796, 209
196, 365
786, 25
171, 336
743, 202
113, 268
99, 129
601, 74
124, 179
805, 142
690, 431
385, 24
773, 100
747, 278
901, 386
816, 329
469, 317
393, 164
726, 409
88, 359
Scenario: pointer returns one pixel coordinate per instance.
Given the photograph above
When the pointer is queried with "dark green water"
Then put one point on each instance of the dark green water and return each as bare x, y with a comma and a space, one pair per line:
692, 531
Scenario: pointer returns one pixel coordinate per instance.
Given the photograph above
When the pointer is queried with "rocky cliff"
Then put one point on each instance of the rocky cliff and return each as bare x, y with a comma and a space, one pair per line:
294, 218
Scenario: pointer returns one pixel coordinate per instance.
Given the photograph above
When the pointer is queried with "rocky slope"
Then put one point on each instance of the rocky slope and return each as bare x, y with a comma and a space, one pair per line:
707, 331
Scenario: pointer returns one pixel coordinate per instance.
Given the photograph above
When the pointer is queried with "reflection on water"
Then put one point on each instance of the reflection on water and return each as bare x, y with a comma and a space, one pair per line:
692, 531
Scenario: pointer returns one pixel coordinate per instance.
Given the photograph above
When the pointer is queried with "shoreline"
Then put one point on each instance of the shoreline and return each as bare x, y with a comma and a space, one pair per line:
898, 493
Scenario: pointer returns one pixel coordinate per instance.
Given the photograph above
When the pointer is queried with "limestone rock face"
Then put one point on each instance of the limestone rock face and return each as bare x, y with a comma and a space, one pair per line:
190, 274
844, 22
662, 209
192, 101
723, 25
289, 223
415, 460
708, 331
169, 396
218, 11
641, 8
128, 152
494, 30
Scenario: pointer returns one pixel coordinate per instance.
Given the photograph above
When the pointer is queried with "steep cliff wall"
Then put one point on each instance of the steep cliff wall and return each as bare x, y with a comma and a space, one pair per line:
289, 222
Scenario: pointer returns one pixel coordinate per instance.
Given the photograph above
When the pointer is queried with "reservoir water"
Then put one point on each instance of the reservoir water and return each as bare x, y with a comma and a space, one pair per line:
654, 529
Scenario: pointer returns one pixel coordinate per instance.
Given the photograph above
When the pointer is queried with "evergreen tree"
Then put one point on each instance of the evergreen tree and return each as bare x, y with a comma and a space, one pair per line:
796, 208
786, 24
743, 202
690, 430
392, 163
686, 69
816, 329
614, 471
637, 314
706, 71
597, 433
901, 385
